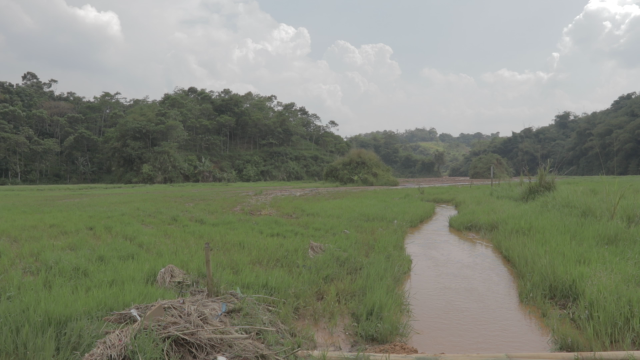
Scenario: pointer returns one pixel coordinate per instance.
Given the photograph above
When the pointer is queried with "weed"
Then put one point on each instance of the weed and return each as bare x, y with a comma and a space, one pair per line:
613, 198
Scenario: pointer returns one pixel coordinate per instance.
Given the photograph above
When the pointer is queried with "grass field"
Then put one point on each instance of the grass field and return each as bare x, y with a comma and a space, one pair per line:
576, 251
69, 255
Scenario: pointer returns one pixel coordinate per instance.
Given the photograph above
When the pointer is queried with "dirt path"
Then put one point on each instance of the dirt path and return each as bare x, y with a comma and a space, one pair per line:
265, 195
443, 181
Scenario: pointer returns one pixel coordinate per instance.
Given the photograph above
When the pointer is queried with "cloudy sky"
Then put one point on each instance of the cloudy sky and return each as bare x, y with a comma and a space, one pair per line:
456, 65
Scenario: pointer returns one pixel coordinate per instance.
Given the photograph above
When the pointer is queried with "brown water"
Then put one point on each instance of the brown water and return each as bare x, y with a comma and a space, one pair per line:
464, 297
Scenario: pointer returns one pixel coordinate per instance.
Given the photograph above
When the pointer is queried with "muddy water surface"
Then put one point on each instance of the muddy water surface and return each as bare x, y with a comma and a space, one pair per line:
464, 297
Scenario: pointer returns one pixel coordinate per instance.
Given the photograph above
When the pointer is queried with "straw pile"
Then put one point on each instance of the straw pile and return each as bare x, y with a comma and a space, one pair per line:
233, 326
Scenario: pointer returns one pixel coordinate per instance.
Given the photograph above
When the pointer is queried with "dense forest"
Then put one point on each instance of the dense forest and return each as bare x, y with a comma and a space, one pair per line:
419, 152
190, 135
195, 135
604, 142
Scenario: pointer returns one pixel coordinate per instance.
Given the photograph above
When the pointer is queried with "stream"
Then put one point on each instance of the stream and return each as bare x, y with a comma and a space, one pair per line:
464, 296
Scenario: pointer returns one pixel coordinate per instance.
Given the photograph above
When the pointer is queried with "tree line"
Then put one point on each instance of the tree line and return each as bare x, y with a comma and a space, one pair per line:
199, 135
419, 152
189, 135
603, 142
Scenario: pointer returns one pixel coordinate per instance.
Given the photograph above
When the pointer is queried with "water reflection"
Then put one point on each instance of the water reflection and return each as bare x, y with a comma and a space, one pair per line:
464, 297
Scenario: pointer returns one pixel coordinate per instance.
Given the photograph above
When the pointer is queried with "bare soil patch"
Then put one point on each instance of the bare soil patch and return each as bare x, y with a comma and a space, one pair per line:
442, 181
393, 348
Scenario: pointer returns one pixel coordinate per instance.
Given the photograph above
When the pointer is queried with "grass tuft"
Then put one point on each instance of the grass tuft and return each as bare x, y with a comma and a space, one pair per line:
545, 183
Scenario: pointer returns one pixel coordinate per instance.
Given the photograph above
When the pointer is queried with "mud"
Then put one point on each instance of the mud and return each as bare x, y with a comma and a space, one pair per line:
393, 348
464, 296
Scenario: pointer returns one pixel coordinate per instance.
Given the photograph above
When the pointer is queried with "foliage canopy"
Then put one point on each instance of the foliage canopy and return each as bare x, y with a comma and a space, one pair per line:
189, 135
480, 167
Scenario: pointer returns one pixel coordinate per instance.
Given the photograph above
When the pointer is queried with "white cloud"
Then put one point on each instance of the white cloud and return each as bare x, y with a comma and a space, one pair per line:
54, 33
514, 77
372, 61
437, 78
605, 30
100, 19
148, 47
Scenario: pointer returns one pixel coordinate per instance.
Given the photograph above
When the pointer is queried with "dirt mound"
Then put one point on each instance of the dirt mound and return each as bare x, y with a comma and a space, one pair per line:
233, 326
393, 348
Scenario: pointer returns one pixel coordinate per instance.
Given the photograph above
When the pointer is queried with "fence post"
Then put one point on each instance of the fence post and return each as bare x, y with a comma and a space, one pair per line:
491, 175
207, 256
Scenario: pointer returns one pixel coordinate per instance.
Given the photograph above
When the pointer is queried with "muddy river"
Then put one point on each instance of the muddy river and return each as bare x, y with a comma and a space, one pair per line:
463, 295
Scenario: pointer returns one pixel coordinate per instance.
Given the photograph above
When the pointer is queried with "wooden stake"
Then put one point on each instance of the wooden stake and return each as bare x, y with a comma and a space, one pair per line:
491, 175
207, 255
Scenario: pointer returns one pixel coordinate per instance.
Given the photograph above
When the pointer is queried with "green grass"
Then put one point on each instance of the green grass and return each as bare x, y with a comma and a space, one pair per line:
576, 252
69, 255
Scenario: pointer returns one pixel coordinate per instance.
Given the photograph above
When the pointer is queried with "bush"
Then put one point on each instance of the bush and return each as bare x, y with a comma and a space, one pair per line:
480, 167
545, 183
360, 167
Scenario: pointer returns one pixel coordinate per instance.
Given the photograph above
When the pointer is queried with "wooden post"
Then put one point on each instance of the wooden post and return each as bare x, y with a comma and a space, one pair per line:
491, 175
207, 255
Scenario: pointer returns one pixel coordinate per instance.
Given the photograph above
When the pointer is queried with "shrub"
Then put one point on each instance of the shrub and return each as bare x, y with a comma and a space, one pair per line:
545, 183
480, 167
360, 167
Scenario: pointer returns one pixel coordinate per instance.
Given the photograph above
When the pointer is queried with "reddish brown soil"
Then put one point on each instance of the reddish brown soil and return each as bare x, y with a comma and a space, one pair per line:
393, 348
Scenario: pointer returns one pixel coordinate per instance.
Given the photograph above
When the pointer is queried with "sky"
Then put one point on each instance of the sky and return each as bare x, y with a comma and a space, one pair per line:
455, 65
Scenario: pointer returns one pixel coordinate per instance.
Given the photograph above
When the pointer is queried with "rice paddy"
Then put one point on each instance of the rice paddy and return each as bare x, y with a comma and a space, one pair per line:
71, 255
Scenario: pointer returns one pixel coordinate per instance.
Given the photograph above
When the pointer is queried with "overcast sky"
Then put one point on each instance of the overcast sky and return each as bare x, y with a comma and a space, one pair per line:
456, 65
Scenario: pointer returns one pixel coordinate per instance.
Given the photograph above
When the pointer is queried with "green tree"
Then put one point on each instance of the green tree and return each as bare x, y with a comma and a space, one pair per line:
480, 167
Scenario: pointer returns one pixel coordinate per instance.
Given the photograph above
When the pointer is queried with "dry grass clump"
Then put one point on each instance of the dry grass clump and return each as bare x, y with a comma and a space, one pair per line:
315, 249
233, 326
171, 276
113, 346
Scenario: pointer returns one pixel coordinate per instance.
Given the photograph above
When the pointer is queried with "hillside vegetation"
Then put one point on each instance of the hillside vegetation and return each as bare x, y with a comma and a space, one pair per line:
419, 152
190, 135
604, 142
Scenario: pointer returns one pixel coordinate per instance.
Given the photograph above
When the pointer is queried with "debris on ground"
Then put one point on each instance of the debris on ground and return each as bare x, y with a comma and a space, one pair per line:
171, 276
197, 327
393, 348
315, 249
346, 232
